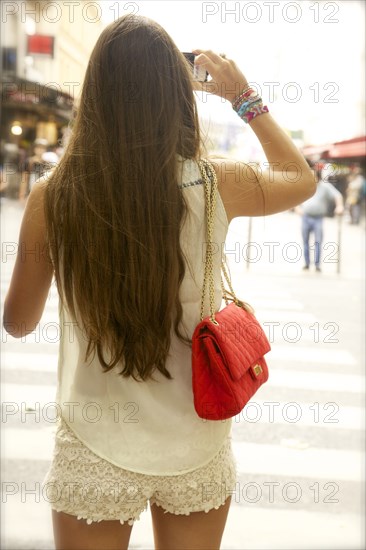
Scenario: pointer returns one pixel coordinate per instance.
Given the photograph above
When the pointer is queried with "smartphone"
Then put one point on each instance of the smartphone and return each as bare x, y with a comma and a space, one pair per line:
199, 72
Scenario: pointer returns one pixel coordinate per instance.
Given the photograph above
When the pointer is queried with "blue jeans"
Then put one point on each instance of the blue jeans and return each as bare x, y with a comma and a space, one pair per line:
312, 224
355, 213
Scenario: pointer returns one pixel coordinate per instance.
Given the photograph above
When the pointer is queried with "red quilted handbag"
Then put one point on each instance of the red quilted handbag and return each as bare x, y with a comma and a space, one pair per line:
228, 347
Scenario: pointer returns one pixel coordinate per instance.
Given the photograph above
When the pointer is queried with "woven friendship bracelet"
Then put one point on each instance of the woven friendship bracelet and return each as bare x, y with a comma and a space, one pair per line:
244, 107
254, 111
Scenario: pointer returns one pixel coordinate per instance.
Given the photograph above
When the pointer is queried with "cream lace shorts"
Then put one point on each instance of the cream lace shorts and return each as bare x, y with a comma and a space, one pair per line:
82, 484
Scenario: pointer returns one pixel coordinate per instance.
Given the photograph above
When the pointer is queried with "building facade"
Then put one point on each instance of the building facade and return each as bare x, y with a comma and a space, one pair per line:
45, 47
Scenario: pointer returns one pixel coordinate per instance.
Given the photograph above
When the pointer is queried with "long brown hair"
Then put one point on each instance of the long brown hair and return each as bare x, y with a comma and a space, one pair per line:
113, 206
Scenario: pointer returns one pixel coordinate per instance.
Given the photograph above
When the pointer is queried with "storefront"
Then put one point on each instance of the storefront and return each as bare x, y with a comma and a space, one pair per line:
29, 111
342, 155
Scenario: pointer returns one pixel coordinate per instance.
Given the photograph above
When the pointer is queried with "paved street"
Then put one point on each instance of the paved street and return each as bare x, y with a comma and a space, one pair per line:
298, 445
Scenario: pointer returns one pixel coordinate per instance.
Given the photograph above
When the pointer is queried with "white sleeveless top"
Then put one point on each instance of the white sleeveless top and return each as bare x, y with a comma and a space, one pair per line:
149, 427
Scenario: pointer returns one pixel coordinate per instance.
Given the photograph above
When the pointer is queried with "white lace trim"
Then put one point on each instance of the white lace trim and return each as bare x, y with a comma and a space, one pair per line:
85, 485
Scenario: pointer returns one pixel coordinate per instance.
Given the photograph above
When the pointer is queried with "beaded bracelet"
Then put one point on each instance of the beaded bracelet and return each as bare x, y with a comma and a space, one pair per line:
245, 90
243, 96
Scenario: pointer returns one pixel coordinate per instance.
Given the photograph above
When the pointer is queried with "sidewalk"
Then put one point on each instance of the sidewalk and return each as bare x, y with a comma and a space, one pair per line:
276, 247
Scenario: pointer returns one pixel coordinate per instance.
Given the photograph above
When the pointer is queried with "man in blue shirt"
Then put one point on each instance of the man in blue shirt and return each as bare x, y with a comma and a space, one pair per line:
313, 211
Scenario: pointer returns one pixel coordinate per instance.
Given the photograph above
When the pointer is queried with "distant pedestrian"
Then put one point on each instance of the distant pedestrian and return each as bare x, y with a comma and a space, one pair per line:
355, 194
10, 155
35, 167
313, 211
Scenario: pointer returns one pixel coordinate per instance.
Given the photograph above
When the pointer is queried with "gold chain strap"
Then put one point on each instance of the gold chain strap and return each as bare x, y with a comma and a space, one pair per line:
210, 206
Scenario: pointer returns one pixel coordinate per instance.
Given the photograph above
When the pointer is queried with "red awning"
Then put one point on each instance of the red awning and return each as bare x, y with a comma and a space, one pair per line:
350, 148
319, 151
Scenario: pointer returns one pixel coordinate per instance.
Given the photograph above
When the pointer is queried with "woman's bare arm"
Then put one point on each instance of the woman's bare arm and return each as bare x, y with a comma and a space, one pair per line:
33, 270
247, 190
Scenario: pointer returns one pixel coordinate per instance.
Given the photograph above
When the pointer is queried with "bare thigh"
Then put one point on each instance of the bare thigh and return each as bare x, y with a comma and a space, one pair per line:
198, 531
71, 533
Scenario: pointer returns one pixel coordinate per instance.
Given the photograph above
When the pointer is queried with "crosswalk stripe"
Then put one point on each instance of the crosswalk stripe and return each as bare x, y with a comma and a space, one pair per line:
317, 381
311, 355
43, 362
23, 444
28, 393
327, 415
327, 464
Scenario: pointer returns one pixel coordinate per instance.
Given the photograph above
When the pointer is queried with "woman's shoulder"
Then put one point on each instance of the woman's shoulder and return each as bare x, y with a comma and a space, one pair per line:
190, 173
42, 182
37, 193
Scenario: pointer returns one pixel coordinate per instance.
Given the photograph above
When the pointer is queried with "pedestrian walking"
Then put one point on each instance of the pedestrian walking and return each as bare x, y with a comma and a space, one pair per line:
313, 212
355, 193
120, 224
35, 167
10, 156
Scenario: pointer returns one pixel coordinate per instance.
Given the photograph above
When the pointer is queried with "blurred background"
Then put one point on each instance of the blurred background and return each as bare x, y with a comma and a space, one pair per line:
300, 469
307, 59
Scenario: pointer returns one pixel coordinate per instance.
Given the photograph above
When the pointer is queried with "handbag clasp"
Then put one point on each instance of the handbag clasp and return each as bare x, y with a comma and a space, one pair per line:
257, 369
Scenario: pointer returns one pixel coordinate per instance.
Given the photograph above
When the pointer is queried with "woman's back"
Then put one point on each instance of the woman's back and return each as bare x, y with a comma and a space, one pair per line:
149, 427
